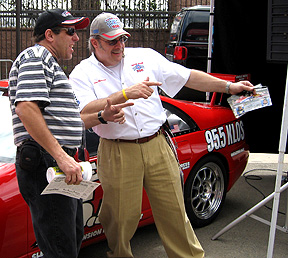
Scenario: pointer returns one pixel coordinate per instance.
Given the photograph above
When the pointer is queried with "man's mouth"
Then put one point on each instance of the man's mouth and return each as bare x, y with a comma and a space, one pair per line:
117, 52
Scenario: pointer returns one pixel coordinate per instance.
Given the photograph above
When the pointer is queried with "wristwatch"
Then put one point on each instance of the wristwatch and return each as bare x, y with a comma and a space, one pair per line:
100, 118
227, 88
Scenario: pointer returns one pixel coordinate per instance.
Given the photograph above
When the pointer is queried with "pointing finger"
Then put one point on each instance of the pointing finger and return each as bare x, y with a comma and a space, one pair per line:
123, 105
148, 83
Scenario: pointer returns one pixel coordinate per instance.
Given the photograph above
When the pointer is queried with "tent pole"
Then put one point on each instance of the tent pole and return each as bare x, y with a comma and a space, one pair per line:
210, 42
282, 149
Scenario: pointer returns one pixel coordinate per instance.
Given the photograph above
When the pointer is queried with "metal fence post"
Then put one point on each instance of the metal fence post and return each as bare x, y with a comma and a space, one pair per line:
18, 11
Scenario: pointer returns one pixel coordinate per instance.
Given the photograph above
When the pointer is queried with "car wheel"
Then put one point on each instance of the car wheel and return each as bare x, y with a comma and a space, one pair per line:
205, 191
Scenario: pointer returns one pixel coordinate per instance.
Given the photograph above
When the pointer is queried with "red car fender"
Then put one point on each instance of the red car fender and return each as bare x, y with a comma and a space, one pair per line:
14, 212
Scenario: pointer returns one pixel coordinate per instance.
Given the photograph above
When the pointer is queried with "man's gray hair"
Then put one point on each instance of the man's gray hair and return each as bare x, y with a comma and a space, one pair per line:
90, 46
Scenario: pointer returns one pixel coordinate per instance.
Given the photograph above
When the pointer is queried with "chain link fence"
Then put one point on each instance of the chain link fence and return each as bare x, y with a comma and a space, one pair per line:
148, 22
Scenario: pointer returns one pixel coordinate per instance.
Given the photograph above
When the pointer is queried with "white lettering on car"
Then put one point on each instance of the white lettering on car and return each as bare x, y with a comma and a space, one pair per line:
91, 206
218, 138
94, 233
237, 152
185, 165
37, 255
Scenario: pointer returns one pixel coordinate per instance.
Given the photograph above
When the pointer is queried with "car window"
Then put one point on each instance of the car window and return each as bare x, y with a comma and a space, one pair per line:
8, 149
196, 26
179, 122
175, 27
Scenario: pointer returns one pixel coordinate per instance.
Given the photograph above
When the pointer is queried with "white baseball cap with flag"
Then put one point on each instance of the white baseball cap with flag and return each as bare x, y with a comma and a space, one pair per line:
108, 26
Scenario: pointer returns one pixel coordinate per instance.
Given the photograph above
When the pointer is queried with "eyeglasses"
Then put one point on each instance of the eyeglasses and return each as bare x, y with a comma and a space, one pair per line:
113, 42
69, 31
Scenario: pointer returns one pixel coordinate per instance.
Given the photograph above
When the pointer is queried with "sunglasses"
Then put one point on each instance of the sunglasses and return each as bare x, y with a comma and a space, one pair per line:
113, 42
69, 31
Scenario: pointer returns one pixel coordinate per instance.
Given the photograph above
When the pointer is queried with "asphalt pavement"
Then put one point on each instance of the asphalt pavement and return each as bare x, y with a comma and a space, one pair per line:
248, 238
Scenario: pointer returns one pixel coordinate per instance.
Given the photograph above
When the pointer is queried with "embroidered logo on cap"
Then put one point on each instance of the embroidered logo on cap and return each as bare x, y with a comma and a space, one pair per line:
66, 13
113, 23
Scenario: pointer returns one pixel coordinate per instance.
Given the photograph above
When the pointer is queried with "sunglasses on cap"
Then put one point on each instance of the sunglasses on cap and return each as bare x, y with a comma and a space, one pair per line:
113, 42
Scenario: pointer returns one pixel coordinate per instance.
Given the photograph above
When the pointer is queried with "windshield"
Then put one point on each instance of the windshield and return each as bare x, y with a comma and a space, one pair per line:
7, 149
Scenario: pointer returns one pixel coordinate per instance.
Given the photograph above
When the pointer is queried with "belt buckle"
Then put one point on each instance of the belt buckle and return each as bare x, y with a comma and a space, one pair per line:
137, 141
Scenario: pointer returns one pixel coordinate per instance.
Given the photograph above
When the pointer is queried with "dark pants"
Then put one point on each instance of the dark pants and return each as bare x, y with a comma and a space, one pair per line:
57, 219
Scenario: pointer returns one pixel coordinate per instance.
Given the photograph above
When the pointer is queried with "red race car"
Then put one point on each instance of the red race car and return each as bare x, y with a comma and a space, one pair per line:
212, 152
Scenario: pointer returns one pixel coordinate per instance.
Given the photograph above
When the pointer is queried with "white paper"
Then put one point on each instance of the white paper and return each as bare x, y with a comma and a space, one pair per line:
58, 186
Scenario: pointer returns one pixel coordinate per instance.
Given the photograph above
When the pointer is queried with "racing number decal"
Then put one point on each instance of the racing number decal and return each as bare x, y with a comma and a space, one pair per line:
218, 138
235, 132
215, 138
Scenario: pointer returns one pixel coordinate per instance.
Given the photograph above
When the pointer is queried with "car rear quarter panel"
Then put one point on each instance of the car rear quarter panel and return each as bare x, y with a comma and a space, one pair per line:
13, 215
234, 157
219, 121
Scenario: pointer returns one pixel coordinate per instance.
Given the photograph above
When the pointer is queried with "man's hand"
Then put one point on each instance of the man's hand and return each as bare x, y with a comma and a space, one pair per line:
71, 169
114, 113
238, 87
141, 89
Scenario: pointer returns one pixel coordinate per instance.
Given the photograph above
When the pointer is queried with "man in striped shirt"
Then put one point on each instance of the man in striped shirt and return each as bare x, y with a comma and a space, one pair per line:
47, 130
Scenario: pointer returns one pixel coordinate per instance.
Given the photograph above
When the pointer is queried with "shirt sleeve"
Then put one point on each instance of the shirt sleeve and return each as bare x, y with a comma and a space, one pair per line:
173, 76
32, 84
82, 86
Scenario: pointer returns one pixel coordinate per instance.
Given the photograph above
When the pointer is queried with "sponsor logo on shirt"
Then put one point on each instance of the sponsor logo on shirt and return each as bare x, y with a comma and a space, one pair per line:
99, 81
138, 67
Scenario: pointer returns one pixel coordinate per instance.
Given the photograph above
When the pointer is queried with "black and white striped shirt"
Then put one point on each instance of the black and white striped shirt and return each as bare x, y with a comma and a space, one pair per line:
36, 76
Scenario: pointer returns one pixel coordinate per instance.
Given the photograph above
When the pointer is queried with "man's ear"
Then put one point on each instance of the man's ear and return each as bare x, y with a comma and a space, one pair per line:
94, 42
49, 35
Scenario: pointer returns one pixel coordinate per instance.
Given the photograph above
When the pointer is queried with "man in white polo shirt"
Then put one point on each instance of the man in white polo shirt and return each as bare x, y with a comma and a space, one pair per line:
135, 154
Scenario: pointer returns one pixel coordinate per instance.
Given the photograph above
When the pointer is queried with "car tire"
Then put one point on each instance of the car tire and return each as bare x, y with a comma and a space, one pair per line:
205, 191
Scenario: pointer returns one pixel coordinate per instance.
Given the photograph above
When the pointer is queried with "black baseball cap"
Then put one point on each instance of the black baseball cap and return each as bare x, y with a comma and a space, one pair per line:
57, 17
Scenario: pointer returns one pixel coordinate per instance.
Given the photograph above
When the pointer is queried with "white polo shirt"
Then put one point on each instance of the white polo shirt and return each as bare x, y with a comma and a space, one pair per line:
92, 80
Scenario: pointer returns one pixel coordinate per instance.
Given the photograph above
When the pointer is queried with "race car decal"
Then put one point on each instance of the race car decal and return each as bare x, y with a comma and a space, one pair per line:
185, 165
37, 255
91, 208
94, 233
91, 205
218, 138
237, 152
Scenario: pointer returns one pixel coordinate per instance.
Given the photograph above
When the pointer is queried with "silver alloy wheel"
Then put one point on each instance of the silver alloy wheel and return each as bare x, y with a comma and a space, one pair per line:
207, 190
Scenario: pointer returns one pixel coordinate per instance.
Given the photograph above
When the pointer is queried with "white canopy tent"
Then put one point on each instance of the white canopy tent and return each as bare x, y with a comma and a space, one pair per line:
282, 148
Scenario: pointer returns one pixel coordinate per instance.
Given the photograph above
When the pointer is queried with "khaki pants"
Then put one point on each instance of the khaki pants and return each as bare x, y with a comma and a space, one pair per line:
124, 168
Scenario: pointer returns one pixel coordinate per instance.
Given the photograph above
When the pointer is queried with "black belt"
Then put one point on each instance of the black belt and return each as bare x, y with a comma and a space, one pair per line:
70, 151
140, 140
